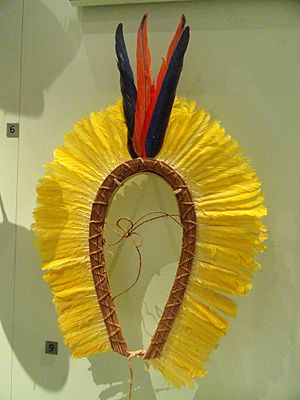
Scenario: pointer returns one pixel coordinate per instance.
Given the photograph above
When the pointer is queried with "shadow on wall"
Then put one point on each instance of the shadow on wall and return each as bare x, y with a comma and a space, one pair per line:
211, 43
254, 356
34, 319
276, 322
99, 24
135, 200
48, 47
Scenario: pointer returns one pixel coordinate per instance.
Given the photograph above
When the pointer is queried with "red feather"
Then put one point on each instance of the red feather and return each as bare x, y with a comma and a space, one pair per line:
145, 85
160, 78
165, 63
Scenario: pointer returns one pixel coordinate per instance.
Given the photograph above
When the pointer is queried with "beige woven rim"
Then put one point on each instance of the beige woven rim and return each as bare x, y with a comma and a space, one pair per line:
96, 243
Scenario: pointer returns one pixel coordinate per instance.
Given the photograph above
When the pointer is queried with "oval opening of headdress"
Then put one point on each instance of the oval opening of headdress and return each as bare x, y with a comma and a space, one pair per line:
96, 241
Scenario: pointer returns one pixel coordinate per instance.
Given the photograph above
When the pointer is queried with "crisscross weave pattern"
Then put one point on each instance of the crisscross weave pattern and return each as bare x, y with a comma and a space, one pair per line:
96, 243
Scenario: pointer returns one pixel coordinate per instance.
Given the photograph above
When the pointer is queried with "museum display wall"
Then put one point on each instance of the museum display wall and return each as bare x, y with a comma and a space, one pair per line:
57, 64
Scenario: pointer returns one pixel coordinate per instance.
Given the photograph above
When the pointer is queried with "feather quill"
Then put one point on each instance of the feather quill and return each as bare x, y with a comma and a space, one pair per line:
164, 103
145, 85
128, 88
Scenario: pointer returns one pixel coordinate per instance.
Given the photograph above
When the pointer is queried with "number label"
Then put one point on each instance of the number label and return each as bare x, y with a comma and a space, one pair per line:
51, 347
12, 130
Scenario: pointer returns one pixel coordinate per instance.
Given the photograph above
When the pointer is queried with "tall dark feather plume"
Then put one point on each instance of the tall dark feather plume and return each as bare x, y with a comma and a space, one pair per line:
128, 88
165, 100
145, 87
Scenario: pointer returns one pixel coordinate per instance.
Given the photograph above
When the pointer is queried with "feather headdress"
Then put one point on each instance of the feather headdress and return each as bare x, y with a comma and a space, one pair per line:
218, 196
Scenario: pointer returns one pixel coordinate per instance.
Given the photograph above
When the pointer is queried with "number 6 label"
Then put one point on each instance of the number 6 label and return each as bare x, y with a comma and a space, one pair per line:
12, 130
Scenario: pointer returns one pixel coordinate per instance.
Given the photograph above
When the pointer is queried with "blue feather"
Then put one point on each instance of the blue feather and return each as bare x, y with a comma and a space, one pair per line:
128, 88
161, 114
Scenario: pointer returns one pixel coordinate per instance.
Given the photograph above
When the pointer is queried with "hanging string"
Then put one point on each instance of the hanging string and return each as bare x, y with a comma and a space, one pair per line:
136, 238
125, 228
132, 354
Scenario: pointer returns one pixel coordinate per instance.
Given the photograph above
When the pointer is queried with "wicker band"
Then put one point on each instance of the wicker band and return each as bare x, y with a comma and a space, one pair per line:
96, 243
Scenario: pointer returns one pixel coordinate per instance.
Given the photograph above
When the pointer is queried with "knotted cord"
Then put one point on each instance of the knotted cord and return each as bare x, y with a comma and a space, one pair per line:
129, 233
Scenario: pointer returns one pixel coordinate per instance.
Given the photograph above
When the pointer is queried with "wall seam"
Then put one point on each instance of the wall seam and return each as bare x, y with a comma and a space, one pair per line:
16, 202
